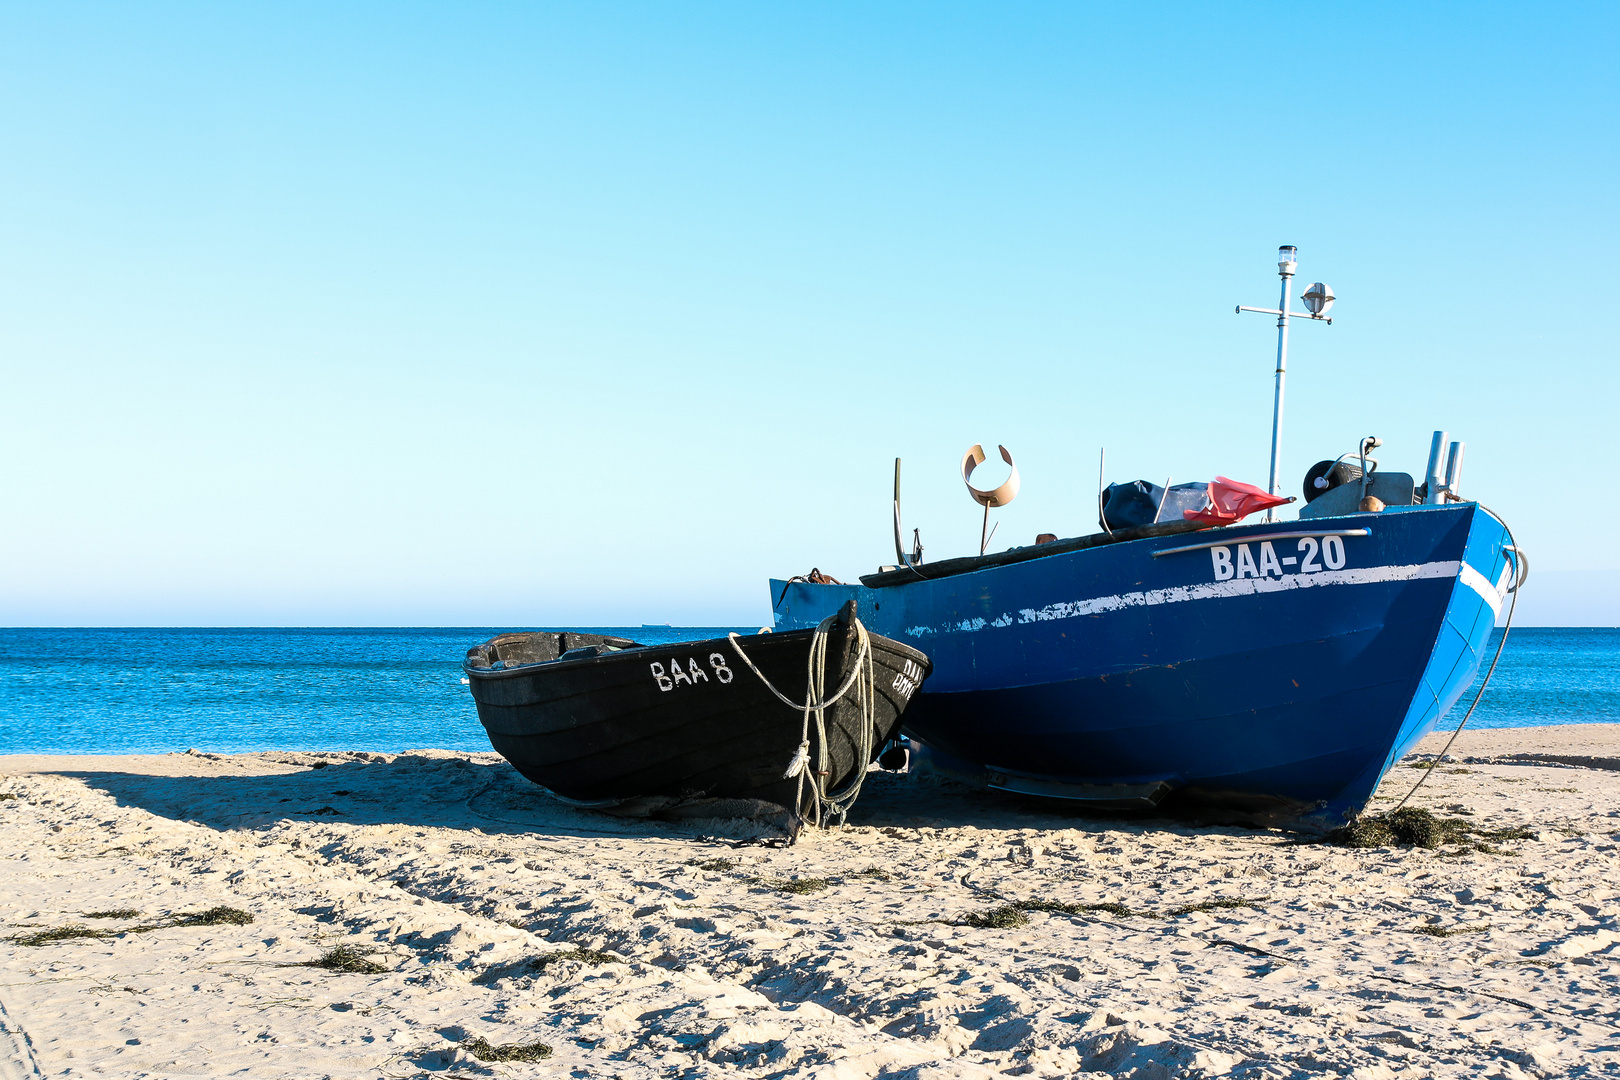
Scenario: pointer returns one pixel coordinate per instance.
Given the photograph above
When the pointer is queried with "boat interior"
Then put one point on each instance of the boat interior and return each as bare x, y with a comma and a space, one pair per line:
542, 647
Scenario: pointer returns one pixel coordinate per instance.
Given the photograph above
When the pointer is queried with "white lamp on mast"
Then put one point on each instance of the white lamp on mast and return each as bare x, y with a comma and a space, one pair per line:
1318, 300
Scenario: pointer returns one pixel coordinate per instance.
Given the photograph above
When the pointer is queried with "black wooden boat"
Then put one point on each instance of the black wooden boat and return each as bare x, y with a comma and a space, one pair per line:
607, 722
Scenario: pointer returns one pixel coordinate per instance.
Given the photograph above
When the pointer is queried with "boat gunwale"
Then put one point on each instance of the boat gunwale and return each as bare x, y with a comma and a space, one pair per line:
906, 651
969, 564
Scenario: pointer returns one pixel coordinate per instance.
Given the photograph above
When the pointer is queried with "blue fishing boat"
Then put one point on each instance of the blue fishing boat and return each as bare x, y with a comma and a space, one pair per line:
1277, 669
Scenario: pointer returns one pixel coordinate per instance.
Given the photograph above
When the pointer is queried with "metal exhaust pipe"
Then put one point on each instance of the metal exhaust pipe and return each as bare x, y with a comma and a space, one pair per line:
1437, 465
1454, 463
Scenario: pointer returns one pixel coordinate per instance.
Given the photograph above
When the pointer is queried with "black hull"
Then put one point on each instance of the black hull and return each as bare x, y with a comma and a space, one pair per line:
623, 726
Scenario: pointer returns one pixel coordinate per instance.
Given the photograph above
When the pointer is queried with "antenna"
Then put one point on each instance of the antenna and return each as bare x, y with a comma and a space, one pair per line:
1000, 496
1319, 300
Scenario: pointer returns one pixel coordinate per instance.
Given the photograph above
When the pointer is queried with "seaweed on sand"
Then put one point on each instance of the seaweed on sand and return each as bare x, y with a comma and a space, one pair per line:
482, 1049
588, 957
214, 916
1410, 826
1107, 907
1207, 905
796, 886
59, 933
1013, 915
349, 959
532, 966
1451, 931
713, 865
1005, 917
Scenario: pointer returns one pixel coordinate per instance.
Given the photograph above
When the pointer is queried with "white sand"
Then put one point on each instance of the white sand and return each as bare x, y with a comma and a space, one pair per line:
457, 872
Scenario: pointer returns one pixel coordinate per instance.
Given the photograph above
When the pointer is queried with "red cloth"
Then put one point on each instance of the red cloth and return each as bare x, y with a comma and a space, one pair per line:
1231, 501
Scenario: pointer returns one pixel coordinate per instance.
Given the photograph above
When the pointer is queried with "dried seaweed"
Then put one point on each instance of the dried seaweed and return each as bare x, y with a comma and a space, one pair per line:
1450, 931
482, 1049
588, 957
214, 916
795, 886
1005, 917
60, 933
1410, 826
1107, 907
1013, 914
713, 865
1208, 905
349, 959
532, 966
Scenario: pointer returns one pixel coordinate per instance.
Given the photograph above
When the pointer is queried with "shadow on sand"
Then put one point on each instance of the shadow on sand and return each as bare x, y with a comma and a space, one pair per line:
439, 790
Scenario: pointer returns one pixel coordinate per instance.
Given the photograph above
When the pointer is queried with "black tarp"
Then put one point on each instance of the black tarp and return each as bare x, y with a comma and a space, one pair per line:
1138, 503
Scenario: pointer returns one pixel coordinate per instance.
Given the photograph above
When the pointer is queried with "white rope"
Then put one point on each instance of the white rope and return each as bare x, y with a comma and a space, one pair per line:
827, 808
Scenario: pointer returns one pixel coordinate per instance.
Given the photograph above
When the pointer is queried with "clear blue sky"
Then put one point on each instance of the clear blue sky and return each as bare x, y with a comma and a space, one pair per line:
596, 314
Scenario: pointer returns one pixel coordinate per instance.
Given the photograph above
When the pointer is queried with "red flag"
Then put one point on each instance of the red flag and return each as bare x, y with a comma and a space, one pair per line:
1230, 501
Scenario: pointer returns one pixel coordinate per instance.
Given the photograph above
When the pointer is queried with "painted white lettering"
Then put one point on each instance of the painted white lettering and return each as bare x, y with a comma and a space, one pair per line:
1268, 560
718, 662
1307, 548
697, 672
677, 674
1223, 562
1333, 552
660, 678
1245, 562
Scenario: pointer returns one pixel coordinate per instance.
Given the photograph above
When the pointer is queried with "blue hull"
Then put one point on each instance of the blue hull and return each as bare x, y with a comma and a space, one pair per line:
1279, 674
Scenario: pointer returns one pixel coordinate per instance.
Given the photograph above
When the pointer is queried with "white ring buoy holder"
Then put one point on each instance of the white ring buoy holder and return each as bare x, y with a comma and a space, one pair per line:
1000, 496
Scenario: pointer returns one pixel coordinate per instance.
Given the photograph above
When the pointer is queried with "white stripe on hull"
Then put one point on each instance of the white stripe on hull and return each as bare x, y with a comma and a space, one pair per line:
1491, 594
1216, 590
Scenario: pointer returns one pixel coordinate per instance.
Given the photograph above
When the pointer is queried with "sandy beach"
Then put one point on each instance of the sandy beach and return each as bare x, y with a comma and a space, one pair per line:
461, 913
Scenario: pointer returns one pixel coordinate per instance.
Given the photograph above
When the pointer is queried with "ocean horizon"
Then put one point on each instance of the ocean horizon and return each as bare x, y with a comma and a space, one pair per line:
129, 690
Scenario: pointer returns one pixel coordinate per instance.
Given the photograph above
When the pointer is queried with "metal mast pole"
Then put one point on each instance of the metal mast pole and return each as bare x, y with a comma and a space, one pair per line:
1318, 302
1285, 270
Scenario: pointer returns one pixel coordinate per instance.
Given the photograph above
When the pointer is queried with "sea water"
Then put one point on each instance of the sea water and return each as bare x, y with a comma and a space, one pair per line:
111, 691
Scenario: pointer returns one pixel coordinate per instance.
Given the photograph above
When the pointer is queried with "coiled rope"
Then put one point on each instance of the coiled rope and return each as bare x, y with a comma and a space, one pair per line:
1519, 576
827, 808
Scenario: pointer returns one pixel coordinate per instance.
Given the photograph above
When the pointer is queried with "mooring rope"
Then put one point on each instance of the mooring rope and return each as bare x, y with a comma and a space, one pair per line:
827, 808
1518, 563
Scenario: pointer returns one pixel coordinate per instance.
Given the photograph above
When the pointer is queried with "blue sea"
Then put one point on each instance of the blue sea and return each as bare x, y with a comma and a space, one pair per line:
155, 690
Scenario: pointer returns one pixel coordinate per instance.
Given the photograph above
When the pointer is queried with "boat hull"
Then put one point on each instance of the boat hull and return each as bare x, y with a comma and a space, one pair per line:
681, 722
1203, 668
